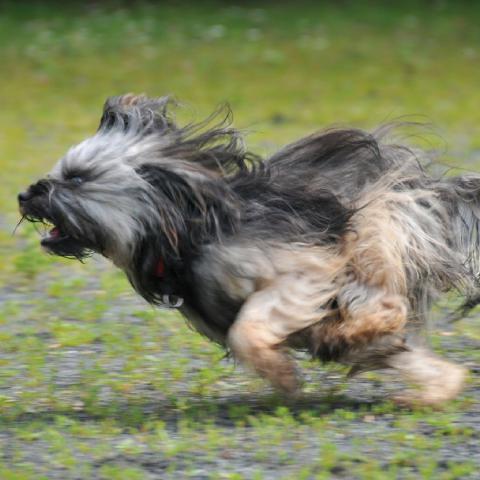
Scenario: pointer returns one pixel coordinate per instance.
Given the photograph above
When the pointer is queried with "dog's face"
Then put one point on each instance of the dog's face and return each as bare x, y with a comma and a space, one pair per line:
92, 198
96, 197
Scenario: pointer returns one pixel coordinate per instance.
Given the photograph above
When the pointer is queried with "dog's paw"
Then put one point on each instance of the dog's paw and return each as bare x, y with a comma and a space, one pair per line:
437, 391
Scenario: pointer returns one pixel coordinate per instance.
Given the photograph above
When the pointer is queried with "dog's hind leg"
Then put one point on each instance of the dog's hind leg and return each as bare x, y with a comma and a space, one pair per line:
436, 380
368, 313
378, 321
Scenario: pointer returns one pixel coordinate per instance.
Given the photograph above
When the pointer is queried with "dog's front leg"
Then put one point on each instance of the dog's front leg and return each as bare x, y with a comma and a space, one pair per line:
256, 340
267, 318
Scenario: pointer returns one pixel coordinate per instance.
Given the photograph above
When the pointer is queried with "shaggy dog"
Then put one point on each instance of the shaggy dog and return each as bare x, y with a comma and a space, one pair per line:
338, 244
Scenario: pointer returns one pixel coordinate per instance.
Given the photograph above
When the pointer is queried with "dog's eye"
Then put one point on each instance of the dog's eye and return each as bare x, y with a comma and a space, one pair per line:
73, 177
76, 180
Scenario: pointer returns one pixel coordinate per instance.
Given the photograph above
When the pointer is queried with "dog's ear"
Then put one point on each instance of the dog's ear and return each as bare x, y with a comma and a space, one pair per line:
193, 206
138, 113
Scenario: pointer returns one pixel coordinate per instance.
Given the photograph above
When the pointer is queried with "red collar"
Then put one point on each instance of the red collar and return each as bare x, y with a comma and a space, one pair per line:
160, 269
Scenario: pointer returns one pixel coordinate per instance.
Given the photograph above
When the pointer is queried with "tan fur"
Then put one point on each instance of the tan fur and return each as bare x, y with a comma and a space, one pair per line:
368, 278
283, 305
380, 316
436, 380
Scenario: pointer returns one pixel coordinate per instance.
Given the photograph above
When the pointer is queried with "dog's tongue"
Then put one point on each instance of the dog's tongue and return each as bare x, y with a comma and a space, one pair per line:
54, 232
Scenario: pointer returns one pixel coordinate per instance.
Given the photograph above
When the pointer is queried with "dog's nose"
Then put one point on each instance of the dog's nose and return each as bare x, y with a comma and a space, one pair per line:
24, 196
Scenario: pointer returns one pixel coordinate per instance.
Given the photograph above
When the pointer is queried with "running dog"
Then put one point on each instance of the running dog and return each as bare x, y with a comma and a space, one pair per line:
337, 244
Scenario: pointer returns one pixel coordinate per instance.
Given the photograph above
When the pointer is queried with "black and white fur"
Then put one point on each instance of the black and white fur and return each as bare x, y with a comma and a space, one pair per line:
337, 244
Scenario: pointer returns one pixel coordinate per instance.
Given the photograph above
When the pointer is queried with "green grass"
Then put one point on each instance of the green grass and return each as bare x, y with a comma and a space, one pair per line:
94, 383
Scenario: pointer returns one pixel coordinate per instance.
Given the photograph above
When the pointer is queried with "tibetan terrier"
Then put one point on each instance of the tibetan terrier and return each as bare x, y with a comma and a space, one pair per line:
337, 244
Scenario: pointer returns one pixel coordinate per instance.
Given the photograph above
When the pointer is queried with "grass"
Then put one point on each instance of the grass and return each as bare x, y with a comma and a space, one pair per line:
96, 384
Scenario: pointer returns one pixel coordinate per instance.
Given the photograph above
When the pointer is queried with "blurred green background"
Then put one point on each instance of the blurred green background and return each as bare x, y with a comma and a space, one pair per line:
95, 384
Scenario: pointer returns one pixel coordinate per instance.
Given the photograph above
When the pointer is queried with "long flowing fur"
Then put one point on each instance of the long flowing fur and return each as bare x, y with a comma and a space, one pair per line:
338, 243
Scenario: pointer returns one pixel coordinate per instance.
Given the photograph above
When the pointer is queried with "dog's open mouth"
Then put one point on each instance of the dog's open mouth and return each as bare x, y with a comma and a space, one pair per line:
54, 236
56, 239
58, 242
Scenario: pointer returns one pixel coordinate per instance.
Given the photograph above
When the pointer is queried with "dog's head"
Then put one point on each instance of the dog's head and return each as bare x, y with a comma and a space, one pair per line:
138, 189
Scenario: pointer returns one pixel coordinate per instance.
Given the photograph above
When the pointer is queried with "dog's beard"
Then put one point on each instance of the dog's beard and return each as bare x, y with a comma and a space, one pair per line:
61, 243
57, 236
55, 240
